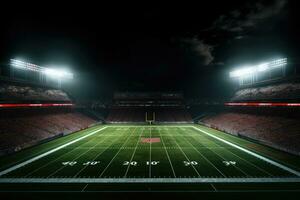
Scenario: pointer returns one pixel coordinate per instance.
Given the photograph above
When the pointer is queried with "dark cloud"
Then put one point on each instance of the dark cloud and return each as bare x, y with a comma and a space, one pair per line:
250, 16
232, 26
201, 49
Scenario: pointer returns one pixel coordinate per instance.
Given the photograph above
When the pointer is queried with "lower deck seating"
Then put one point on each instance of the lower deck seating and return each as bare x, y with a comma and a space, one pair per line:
280, 132
23, 128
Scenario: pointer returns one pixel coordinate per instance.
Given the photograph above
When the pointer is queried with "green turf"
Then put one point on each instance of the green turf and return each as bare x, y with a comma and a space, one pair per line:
122, 152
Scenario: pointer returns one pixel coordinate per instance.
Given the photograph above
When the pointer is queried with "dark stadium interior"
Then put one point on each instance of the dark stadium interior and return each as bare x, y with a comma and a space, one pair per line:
210, 88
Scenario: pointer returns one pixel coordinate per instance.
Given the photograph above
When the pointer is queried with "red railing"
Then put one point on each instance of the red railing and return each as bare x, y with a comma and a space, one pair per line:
262, 104
16, 105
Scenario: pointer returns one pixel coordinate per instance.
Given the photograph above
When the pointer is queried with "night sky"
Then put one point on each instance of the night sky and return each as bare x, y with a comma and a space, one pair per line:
184, 46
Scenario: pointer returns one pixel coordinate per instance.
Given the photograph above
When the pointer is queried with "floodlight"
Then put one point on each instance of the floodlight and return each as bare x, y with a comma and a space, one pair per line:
56, 73
258, 68
24, 65
242, 72
263, 67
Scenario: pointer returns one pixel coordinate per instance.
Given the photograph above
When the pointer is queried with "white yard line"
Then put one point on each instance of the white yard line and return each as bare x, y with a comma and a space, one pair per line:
98, 154
52, 161
186, 157
47, 153
248, 162
251, 153
115, 156
76, 158
226, 149
223, 159
167, 154
204, 157
139, 139
150, 156
150, 180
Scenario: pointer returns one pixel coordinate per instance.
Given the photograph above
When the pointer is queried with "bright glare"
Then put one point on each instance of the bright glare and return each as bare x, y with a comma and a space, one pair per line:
54, 73
258, 68
263, 67
24, 65
242, 72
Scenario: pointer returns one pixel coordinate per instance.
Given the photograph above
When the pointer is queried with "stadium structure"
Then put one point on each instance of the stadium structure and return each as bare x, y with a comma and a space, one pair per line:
150, 141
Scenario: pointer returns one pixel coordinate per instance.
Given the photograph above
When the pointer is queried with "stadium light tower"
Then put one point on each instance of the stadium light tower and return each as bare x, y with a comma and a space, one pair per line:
58, 74
253, 71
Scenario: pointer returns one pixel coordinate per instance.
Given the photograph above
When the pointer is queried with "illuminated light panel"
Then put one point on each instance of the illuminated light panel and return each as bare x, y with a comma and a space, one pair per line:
16, 105
24, 65
55, 73
258, 68
262, 104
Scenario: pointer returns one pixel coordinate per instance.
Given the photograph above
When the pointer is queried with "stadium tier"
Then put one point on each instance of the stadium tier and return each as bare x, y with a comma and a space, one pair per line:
277, 131
265, 118
21, 93
23, 128
33, 114
278, 92
160, 107
162, 115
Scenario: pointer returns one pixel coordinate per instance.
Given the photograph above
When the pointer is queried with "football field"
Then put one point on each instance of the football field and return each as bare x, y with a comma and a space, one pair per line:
185, 154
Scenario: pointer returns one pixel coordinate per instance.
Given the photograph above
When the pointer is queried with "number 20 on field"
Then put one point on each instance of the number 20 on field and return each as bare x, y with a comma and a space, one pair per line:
134, 163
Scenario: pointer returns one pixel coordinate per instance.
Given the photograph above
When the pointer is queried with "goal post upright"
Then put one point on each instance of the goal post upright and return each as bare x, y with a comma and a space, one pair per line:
150, 121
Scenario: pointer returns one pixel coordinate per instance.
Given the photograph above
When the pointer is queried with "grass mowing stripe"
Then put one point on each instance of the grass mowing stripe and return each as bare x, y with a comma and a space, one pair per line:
61, 155
97, 155
178, 130
30, 152
246, 161
236, 167
186, 157
203, 156
47, 153
150, 156
115, 155
251, 153
133, 152
167, 153
226, 149
77, 157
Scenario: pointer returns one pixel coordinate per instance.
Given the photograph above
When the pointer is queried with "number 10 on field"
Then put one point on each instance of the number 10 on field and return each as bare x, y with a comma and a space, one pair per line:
134, 163
152, 162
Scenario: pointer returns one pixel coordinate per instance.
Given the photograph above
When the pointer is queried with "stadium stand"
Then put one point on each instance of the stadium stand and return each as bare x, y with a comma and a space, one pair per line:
277, 127
24, 127
277, 131
21, 128
162, 115
132, 107
286, 91
12, 92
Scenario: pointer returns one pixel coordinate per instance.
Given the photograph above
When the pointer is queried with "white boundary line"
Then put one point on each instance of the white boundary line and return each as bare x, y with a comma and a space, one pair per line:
150, 180
204, 157
47, 153
251, 153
